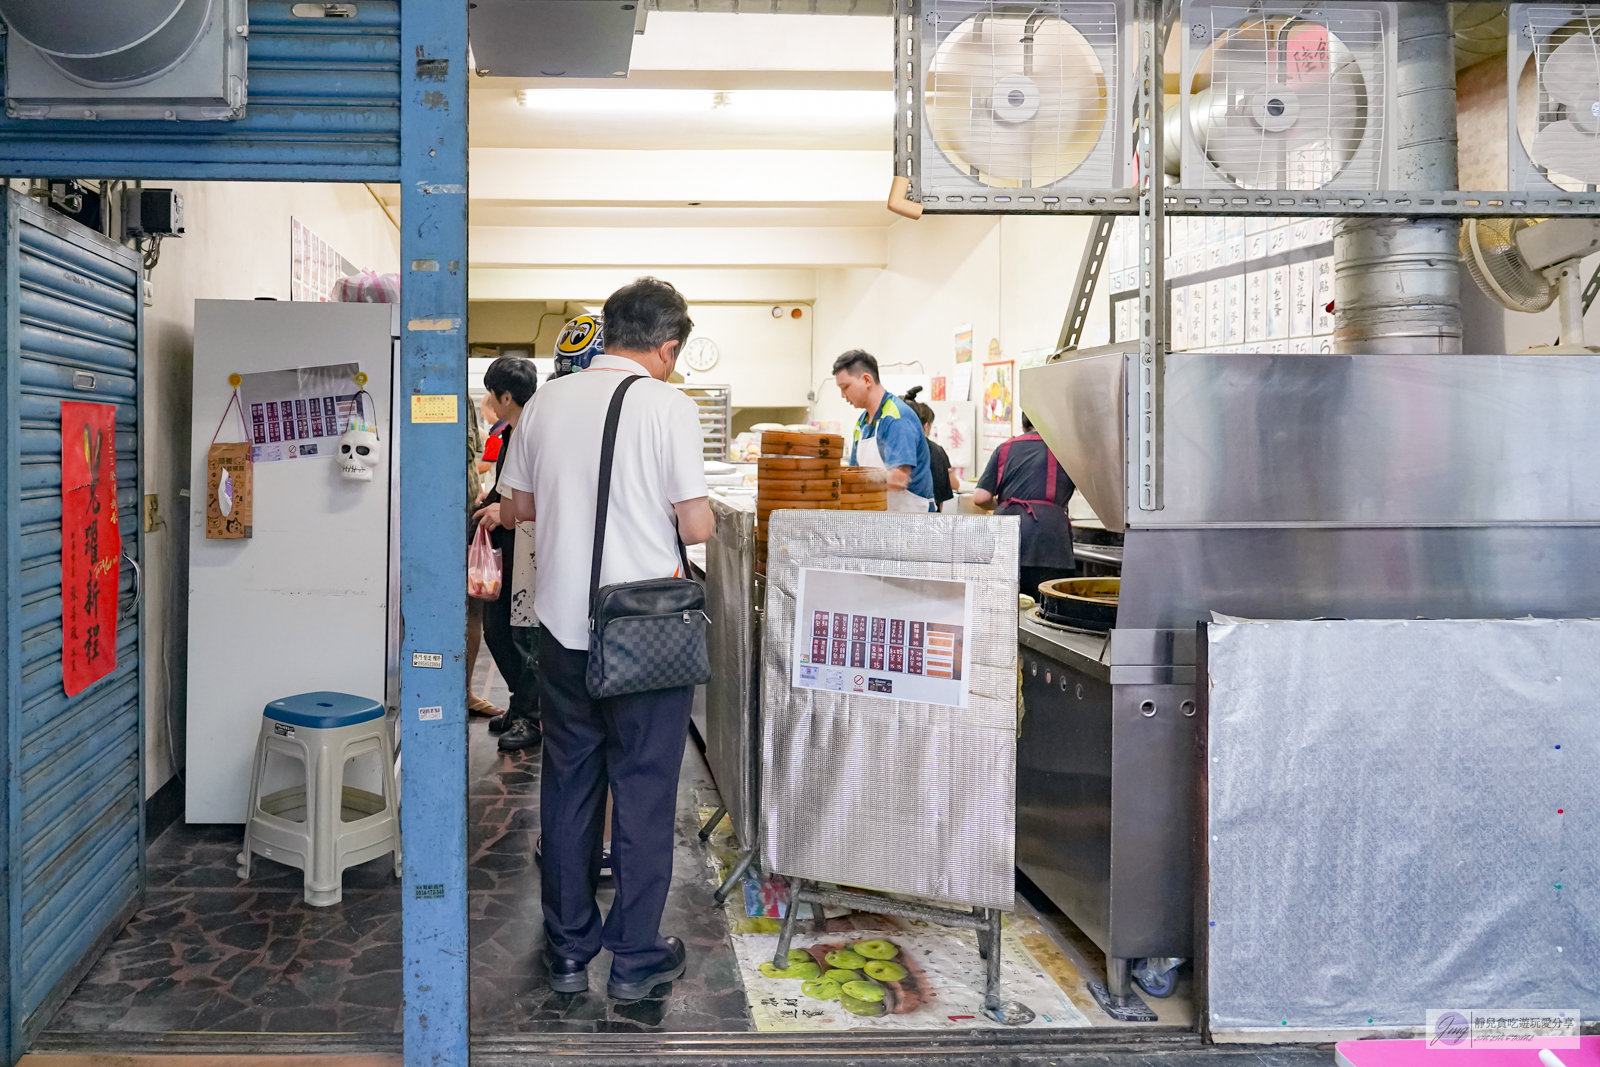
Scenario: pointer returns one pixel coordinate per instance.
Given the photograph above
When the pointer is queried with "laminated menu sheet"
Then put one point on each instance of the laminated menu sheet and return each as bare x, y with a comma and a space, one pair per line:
883, 636
300, 413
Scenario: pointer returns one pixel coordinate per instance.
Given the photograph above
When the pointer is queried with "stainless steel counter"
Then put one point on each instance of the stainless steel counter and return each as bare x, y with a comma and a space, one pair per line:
1105, 785
1086, 653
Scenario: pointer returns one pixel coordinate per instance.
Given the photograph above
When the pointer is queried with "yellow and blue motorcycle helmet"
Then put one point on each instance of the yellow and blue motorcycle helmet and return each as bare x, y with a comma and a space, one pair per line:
579, 342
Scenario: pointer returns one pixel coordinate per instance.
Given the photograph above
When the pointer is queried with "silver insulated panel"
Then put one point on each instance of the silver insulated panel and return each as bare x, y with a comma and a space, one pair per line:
733, 713
1402, 816
888, 794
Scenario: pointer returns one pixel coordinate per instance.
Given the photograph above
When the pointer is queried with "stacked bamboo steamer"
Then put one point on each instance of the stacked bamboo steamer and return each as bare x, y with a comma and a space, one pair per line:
796, 470
863, 489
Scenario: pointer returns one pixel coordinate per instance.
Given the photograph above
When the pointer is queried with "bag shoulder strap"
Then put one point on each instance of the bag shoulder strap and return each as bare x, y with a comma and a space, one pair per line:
608, 451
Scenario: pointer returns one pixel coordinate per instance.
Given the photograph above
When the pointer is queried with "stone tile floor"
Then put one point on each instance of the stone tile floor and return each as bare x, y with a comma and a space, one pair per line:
208, 952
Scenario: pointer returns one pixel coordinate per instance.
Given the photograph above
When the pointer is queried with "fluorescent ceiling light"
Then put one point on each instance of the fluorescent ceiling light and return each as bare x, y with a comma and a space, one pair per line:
797, 103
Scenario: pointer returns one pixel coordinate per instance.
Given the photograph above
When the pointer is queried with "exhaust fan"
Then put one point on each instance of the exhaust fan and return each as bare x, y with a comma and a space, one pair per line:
1279, 95
1006, 106
1554, 96
125, 59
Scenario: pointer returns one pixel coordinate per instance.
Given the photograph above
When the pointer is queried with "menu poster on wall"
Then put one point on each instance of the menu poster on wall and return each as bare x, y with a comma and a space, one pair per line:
997, 405
883, 636
91, 545
314, 265
300, 413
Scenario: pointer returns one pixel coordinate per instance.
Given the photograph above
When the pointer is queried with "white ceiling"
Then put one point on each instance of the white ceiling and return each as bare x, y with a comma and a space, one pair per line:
708, 189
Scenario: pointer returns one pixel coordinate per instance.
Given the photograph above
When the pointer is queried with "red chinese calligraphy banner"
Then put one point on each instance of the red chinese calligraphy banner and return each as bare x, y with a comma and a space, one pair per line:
91, 545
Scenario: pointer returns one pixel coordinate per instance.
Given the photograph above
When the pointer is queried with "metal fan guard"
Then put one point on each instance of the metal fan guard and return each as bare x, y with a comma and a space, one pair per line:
955, 85
1243, 159
1508, 279
1565, 167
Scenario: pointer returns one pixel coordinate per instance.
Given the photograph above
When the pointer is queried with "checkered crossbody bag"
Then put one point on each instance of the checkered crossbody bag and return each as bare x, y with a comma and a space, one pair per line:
642, 635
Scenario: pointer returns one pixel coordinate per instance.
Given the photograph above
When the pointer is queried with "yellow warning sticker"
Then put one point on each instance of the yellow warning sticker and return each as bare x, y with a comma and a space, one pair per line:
437, 407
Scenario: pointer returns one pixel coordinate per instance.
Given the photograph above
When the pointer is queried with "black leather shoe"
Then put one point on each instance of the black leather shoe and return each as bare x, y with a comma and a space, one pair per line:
566, 976
524, 733
671, 968
498, 724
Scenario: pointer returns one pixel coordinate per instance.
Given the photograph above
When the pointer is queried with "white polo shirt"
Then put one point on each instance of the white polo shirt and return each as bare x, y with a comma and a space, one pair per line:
555, 455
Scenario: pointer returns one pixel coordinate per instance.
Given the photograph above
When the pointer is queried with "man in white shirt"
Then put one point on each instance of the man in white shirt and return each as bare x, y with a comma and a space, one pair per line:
632, 743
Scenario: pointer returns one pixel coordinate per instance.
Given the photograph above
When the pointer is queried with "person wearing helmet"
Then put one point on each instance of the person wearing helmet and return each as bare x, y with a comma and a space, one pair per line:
579, 341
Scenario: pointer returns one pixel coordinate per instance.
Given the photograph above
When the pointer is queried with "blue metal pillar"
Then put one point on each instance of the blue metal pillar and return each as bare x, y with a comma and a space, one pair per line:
432, 459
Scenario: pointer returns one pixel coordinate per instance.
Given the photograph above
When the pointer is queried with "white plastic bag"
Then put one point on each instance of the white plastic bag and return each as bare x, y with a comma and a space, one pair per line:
483, 567
368, 287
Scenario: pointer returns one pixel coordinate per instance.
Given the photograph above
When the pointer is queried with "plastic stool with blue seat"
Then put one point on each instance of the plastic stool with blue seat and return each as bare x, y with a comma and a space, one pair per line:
340, 826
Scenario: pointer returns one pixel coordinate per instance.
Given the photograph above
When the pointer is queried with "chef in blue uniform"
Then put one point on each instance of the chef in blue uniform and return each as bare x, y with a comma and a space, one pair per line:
888, 434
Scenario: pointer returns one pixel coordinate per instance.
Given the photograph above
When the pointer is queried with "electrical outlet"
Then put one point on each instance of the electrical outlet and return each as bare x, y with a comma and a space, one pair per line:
152, 519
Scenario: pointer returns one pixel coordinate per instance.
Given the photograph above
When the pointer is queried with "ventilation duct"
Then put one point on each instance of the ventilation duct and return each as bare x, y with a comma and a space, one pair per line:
108, 42
126, 59
1397, 286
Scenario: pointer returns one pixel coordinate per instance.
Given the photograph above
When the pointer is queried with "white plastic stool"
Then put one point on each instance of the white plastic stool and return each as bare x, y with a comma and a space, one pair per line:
340, 826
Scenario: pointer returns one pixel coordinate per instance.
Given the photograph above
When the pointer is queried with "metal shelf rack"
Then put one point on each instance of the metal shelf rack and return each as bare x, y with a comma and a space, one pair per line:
716, 417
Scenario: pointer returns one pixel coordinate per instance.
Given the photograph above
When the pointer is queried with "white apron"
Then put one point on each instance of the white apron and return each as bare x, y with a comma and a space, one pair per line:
867, 455
522, 570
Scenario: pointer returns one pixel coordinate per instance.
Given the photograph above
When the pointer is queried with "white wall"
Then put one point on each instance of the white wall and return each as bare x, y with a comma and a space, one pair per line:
1010, 278
301, 606
236, 248
765, 359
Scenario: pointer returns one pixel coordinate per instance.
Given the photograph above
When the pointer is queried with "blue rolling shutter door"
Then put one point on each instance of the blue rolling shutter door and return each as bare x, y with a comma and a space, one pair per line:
75, 799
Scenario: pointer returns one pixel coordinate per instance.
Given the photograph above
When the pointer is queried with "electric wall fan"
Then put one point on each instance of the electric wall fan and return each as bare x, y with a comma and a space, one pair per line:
1006, 106
1529, 264
1554, 96
1278, 95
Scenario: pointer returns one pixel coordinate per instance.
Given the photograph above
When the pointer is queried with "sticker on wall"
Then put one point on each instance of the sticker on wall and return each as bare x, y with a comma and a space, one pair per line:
438, 407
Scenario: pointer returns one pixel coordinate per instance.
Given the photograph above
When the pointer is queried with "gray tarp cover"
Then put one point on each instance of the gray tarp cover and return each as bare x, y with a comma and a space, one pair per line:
890, 794
1402, 816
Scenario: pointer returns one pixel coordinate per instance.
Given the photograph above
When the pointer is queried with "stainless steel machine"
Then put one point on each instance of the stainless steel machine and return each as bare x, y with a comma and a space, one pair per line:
1296, 487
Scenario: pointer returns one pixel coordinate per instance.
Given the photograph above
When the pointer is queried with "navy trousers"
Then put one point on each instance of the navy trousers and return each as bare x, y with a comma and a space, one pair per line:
513, 650
634, 744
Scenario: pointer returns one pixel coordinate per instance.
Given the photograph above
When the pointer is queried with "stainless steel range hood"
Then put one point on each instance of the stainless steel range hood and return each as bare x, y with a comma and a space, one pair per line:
1077, 406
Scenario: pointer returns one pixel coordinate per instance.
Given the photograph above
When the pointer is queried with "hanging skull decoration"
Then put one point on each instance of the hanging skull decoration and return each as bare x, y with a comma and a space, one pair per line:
360, 452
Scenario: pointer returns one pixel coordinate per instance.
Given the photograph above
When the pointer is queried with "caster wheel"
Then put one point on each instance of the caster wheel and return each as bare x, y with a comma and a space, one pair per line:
1156, 985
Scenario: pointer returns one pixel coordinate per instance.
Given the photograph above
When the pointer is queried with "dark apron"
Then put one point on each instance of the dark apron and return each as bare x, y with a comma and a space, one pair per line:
1046, 530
